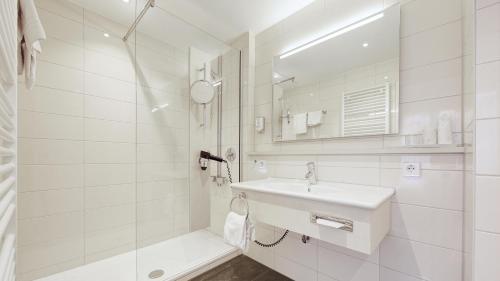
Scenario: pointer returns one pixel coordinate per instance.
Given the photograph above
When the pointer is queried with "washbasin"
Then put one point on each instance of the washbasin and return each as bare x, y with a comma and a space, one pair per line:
361, 196
353, 216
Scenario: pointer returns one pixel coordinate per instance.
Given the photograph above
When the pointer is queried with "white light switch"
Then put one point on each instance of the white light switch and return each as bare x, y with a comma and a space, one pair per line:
411, 169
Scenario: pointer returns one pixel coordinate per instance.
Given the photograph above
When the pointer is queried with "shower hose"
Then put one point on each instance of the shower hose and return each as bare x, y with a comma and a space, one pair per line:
265, 245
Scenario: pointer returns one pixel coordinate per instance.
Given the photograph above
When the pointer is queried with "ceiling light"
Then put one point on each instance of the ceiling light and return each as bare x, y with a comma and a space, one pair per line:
126, 1
333, 35
365, 45
106, 35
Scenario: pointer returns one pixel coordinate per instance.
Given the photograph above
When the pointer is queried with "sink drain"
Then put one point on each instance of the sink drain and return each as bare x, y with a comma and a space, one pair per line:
156, 274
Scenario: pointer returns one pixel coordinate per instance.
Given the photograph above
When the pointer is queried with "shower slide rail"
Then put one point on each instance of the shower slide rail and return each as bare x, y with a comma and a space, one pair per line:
8, 138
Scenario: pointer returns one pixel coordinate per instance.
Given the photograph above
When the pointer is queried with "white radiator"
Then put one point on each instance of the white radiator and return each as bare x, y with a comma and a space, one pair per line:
8, 123
366, 112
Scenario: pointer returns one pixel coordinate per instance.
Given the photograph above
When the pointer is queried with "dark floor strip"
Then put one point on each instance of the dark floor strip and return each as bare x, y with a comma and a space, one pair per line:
241, 268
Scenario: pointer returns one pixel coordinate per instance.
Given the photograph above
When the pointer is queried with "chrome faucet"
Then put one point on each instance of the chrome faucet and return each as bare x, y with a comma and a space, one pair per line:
311, 175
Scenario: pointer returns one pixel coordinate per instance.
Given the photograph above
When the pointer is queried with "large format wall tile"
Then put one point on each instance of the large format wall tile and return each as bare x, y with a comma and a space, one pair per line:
78, 148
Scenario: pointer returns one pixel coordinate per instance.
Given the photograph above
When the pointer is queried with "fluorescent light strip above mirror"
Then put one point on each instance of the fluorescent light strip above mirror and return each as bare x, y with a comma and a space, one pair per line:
333, 35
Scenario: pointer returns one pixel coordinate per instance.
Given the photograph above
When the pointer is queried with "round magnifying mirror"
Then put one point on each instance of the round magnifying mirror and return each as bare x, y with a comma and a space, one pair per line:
202, 92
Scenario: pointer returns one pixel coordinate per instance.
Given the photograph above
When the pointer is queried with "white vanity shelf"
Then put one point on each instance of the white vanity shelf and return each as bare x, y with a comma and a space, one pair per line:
352, 216
422, 149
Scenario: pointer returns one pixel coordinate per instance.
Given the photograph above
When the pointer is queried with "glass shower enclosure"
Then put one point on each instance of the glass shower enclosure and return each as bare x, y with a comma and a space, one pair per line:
125, 197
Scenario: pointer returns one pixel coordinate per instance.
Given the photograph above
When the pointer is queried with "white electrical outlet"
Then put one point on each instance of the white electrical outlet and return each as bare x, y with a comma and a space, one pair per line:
411, 169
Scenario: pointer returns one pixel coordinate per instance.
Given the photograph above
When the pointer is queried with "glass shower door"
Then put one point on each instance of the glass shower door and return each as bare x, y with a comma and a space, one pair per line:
178, 224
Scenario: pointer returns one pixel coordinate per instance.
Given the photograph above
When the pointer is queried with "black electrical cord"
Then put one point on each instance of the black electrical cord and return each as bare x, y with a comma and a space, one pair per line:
256, 241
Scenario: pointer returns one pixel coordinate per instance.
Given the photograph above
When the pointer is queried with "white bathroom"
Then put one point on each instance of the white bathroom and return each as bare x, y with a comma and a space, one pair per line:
214, 140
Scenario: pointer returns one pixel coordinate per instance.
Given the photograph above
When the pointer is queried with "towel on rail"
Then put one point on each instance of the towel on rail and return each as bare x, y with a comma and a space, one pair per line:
300, 123
314, 118
238, 231
30, 35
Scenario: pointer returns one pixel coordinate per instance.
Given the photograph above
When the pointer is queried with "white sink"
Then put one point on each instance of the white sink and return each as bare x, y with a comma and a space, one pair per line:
367, 197
353, 216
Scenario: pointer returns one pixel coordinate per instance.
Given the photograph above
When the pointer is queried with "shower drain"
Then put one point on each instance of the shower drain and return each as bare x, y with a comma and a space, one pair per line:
156, 274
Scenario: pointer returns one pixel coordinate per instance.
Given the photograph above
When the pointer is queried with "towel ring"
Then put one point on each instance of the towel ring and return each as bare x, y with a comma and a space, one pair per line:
240, 196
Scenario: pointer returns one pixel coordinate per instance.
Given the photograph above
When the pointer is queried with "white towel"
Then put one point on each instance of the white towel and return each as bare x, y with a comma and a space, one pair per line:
287, 130
314, 118
300, 123
30, 34
238, 231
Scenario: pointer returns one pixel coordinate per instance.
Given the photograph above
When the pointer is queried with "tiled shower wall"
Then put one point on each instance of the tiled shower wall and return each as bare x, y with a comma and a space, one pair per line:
487, 142
425, 241
87, 134
208, 208
236, 70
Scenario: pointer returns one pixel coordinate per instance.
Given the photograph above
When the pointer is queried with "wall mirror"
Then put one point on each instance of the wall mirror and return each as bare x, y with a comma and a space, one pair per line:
344, 84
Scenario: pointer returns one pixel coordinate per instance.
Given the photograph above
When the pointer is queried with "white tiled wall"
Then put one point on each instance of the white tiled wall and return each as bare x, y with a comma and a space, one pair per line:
487, 145
426, 237
94, 159
208, 212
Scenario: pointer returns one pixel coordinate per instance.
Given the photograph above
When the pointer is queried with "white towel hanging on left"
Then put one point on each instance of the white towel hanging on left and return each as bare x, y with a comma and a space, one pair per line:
30, 35
238, 231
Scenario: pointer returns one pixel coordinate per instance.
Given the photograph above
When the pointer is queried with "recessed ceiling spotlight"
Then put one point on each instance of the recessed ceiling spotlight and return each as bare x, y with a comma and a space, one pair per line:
106, 35
365, 45
126, 1
386, 77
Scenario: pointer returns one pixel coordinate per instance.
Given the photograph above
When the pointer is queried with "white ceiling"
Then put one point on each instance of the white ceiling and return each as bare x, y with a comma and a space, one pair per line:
227, 19
205, 24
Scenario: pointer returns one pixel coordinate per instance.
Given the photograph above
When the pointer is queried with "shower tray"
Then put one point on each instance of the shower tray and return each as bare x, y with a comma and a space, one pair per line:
181, 258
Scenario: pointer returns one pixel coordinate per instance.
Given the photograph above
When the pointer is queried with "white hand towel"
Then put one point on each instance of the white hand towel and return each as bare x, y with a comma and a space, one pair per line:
314, 118
30, 35
235, 230
287, 130
250, 234
445, 135
300, 123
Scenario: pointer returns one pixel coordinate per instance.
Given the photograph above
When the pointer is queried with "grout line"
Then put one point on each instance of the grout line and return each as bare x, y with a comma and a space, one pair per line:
430, 99
428, 207
485, 7
425, 243
403, 273
84, 170
50, 215
488, 118
487, 232
425, 30
431, 63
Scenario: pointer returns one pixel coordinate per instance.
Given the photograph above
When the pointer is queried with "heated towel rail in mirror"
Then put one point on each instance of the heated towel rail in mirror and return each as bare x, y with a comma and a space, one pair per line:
344, 83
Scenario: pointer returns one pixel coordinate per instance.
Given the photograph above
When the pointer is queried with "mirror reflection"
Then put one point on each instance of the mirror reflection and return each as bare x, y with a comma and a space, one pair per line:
343, 84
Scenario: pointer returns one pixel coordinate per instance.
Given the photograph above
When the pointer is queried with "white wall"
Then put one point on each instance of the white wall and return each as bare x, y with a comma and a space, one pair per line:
425, 241
94, 160
487, 143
